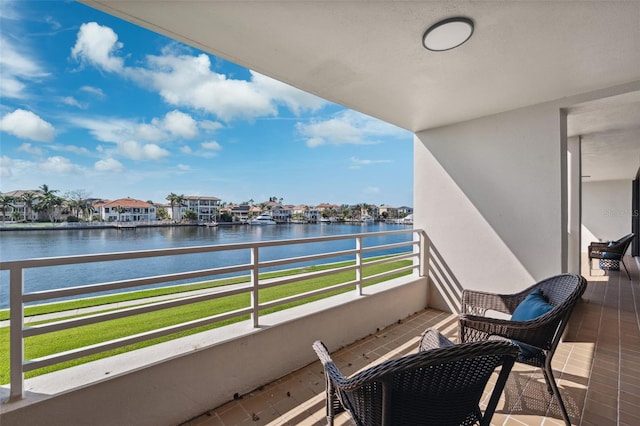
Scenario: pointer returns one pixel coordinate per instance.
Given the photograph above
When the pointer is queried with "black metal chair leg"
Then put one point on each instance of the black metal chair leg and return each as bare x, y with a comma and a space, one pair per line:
551, 383
625, 269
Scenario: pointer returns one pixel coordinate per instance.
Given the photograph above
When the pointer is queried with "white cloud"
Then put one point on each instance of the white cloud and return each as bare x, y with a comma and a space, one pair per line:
149, 132
296, 100
183, 167
108, 165
174, 124
94, 91
6, 166
27, 125
28, 148
72, 148
59, 165
210, 126
185, 80
17, 66
71, 101
137, 151
212, 146
180, 124
98, 45
188, 81
186, 149
347, 127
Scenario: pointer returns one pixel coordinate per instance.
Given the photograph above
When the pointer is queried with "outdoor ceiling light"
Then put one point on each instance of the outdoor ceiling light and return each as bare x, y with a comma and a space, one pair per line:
447, 34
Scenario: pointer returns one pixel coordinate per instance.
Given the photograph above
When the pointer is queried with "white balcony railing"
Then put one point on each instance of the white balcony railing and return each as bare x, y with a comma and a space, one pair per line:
410, 248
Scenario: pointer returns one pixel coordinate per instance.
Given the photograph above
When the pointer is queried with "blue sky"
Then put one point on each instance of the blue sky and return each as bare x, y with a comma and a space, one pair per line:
90, 102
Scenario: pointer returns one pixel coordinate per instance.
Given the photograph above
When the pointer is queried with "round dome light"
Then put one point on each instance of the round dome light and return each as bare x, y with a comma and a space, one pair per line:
448, 34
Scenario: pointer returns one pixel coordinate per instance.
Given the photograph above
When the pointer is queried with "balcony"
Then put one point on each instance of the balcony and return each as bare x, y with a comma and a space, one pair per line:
263, 371
596, 366
204, 367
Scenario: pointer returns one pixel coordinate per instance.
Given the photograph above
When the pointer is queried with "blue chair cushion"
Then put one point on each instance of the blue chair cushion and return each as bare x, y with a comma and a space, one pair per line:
533, 306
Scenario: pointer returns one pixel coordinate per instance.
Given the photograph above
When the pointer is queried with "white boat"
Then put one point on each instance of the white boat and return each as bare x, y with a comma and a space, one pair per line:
263, 219
366, 219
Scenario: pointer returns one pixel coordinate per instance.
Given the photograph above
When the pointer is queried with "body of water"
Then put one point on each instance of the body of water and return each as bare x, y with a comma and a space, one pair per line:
18, 245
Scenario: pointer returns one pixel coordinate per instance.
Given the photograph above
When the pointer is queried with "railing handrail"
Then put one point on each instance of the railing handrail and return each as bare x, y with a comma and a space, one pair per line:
18, 298
141, 254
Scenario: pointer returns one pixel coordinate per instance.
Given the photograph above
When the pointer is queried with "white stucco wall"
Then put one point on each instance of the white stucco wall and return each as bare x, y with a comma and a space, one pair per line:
491, 195
606, 210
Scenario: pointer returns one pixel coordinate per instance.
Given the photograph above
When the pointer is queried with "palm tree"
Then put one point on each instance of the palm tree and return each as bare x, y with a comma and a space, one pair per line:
49, 201
120, 210
180, 203
172, 202
5, 201
28, 198
87, 208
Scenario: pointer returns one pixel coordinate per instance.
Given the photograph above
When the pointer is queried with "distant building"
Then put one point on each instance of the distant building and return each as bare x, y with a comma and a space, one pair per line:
282, 213
126, 210
28, 213
389, 212
207, 208
404, 210
240, 213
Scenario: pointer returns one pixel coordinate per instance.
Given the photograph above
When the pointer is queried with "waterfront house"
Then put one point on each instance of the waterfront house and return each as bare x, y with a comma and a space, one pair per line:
281, 213
525, 148
306, 213
206, 208
240, 213
125, 210
25, 211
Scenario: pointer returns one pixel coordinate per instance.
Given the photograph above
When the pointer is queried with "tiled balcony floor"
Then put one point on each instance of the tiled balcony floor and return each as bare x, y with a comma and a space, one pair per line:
597, 367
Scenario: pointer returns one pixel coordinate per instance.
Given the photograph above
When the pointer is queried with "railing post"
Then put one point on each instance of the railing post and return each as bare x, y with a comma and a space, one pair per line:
255, 300
423, 248
16, 324
359, 265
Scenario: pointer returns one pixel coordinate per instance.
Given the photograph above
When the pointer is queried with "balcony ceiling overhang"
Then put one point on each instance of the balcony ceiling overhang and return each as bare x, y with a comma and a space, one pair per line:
368, 56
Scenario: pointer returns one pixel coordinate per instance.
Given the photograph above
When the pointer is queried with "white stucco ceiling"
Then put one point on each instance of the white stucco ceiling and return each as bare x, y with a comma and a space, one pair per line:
368, 55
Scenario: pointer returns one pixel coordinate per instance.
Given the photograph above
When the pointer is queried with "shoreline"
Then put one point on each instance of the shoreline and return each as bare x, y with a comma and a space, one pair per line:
120, 225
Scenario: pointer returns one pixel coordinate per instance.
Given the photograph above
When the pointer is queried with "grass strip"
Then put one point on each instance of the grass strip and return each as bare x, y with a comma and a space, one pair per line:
38, 346
89, 302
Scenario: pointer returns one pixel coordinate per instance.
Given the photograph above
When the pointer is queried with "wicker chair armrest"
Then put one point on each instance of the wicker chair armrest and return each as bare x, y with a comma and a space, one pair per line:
537, 332
478, 302
330, 368
598, 245
432, 339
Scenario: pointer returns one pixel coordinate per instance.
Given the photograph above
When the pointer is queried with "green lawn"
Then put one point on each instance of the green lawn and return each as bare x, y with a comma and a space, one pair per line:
39, 346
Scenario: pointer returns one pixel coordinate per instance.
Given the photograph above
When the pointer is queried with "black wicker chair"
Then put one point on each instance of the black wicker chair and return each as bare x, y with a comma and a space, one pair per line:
610, 253
441, 384
541, 334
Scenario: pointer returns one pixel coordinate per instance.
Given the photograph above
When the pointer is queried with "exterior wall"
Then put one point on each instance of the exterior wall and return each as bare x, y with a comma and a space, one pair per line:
606, 211
171, 382
491, 195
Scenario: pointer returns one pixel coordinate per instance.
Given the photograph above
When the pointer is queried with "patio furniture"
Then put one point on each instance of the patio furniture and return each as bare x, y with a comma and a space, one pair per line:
610, 254
441, 384
537, 336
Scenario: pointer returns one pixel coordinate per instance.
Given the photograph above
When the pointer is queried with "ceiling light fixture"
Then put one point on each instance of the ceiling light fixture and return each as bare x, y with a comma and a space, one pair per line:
447, 34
